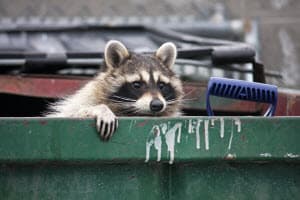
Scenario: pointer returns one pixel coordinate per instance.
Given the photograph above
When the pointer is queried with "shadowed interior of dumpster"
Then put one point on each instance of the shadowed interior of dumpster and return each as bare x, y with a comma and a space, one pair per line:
26, 106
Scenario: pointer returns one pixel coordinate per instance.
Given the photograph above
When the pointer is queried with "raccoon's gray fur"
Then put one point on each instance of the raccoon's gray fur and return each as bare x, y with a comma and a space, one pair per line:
129, 84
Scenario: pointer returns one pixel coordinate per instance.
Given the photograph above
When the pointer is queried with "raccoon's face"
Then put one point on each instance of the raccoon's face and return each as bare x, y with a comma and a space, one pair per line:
142, 85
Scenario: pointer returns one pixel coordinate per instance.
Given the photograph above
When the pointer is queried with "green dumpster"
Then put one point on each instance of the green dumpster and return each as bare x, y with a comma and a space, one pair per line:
151, 158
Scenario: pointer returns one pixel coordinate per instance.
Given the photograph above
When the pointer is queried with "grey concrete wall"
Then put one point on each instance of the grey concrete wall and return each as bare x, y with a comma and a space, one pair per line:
279, 21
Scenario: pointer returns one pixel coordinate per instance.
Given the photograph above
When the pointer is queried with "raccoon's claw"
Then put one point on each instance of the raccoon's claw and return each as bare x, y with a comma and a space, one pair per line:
106, 122
106, 128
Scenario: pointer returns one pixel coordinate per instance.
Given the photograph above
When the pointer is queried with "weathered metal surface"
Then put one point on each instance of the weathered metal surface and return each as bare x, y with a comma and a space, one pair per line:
188, 139
52, 87
253, 158
140, 181
195, 139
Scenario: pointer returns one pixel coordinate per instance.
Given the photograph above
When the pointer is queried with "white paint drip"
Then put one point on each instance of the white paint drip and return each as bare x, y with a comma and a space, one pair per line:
198, 134
238, 123
148, 147
155, 139
179, 134
170, 140
194, 127
212, 122
206, 137
266, 155
164, 128
191, 127
130, 127
168, 132
222, 127
291, 155
157, 145
231, 136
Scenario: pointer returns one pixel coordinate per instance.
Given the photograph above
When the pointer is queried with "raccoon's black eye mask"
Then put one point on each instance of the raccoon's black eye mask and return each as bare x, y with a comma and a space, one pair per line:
138, 85
167, 91
129, 92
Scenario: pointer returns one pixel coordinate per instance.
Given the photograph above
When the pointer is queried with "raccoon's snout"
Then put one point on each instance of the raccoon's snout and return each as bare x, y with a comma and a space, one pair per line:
156, 105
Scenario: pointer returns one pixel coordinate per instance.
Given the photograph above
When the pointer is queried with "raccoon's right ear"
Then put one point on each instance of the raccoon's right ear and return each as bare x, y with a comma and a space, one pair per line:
167, 53
115, 53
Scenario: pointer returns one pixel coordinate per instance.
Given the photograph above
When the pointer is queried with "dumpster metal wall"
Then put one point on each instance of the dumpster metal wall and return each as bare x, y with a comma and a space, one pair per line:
212, 158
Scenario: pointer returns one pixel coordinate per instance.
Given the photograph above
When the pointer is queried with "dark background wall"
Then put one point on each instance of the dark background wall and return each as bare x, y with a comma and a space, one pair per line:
279, 21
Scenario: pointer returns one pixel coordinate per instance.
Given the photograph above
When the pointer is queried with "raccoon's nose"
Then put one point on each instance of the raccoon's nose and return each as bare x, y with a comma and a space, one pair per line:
156, 105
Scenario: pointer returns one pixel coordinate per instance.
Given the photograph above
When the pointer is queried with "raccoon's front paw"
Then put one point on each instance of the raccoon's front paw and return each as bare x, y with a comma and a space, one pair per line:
106, 122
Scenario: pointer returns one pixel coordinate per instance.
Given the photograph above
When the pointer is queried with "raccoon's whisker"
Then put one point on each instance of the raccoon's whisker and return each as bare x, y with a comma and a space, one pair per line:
130, 110
119, 102
180, 100
123, 105
193, 99
175, 99
123, 98
170, 102
188, 93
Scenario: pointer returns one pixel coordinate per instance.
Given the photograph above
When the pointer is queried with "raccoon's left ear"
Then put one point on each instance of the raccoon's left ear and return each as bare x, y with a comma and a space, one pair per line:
167, 53
115, 53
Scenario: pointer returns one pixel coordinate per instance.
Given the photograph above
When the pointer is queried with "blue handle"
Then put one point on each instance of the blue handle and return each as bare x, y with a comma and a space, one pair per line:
242, 90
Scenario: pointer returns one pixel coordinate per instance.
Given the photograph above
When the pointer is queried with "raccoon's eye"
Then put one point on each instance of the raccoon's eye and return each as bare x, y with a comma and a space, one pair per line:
137, 84
161, 85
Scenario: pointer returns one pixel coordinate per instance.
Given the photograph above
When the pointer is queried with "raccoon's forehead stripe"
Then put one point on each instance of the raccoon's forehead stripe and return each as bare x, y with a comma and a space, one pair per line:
145, 76
164, 79
158, 76
132, 77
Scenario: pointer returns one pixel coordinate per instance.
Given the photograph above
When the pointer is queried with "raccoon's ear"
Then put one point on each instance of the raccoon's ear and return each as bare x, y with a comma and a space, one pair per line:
167, 54
115, 53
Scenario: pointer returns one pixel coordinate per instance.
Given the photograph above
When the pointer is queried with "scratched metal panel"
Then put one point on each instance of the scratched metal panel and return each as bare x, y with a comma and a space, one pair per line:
212, 158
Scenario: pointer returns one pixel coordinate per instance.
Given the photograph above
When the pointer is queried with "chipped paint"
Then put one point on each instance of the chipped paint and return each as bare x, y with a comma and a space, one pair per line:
143, 123
43, 122
266, 155
230, 156
291, 155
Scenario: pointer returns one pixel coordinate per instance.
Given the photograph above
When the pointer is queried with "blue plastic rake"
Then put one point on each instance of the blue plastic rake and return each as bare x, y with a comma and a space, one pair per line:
242, 90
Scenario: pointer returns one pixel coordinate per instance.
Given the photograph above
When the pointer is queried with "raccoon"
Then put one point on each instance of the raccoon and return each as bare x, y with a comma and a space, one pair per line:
128, 84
